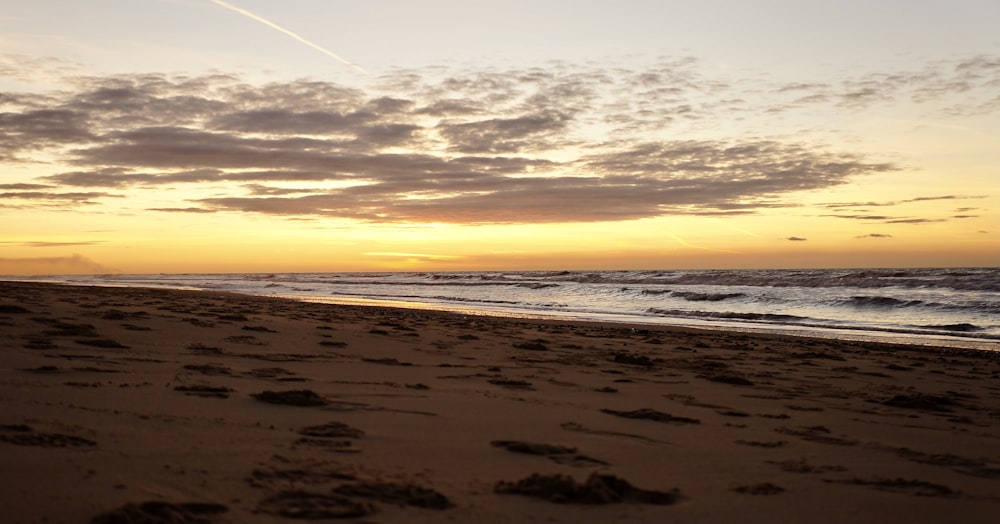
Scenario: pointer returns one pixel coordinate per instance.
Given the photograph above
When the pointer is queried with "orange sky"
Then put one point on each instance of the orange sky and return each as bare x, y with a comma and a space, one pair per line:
236, 140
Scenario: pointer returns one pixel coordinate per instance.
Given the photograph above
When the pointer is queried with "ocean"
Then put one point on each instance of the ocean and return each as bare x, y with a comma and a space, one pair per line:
957, 307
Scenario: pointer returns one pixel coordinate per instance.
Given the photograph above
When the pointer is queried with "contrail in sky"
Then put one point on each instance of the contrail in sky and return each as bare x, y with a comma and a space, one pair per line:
275, 26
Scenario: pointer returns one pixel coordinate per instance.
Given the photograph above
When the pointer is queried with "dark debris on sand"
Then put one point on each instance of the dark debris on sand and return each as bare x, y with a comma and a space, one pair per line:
819, 434
922, 402
12, 308
727, 379
534, 345
332, 430
105, 343
764, 488
66, 329
920, 488
510, 383
156, 512
597, 489
22, 435
205, 391
295, 397
532, 448
393, 493
556, 453
267, 477
622, 357
651, 414
298, 504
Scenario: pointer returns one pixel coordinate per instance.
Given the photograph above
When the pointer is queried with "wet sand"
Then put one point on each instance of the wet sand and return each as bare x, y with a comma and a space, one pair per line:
123, 404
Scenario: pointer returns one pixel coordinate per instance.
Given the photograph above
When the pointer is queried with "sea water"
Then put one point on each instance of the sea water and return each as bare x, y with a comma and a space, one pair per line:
943, 307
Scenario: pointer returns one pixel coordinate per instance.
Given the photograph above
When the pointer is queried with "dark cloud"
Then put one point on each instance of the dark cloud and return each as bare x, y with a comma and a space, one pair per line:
885, 219
38, 129
796, 239
52, 197
180, 210
915, 220
861, 217
451, 108
649, 180
283, 121
24, 187
556, 144
523, 133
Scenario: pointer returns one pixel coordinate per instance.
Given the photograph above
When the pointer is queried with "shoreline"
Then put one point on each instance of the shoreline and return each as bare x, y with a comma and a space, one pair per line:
856, 334
123, 401
873, 335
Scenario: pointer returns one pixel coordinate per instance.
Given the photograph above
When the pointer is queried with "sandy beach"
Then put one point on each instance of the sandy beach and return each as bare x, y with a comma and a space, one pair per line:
125, 404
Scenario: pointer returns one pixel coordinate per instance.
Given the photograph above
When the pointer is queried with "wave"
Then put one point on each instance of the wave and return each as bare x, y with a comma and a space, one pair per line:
706, 297
880, 302
971, 279
692, 296
773, 317
964, 327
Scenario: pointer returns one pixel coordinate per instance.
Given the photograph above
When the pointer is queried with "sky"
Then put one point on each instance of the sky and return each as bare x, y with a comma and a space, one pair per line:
190, 136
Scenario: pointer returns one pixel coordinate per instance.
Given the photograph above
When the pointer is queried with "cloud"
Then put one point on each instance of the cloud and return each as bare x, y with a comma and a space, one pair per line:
411, 256
504, 135
861, 217
874, 235
566, 143
889, 219
53, 244
648, 180
796, 239
283, 121
37, 129
24, 187
957, 87
53, 198
915, 220
180, 210
30, 265
885, 219
900, 202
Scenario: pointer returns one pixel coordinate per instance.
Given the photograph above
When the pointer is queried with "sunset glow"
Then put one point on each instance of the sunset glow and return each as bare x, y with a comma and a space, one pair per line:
183, 137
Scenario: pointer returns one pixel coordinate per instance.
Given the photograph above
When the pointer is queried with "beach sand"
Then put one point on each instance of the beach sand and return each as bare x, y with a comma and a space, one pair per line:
175, 406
